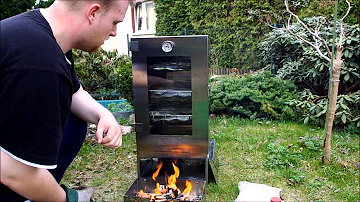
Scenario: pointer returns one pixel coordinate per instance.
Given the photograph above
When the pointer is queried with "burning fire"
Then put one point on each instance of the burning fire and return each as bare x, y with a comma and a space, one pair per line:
157, 171
171, 191
188, 186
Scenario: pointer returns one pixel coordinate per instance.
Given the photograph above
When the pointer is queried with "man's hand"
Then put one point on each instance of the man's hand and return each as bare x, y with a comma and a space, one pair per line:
108, 131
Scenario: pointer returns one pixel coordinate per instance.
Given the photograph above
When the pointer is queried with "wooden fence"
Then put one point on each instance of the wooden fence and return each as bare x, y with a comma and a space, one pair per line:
227, 71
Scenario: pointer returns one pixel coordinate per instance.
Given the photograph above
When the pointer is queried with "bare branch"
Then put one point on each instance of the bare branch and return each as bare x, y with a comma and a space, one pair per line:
347, 12
341, 33
319, 27
342, 23
317, 48
311, 32
300, 21
316, 41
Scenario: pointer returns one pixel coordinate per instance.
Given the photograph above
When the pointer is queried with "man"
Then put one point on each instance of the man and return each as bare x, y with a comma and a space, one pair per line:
38, 89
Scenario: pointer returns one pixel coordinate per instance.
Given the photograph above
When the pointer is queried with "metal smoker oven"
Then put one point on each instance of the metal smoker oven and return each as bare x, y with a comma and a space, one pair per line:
170, 83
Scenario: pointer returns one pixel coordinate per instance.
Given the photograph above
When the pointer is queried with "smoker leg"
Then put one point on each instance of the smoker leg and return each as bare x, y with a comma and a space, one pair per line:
211, 174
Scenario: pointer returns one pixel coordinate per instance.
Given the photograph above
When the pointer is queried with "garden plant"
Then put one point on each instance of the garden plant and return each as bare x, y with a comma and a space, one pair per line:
106, 73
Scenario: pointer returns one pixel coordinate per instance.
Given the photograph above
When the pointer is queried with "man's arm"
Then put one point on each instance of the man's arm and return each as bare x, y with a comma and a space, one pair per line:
32, 183
88, 109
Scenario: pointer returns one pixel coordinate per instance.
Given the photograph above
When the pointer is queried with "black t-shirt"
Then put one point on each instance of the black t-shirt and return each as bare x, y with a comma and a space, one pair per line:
36, 86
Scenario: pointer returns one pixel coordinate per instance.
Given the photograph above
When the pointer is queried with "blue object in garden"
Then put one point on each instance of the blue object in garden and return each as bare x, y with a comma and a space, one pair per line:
105, 103
125, 114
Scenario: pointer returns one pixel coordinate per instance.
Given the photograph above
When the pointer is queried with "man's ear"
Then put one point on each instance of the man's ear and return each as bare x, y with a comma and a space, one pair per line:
92, 12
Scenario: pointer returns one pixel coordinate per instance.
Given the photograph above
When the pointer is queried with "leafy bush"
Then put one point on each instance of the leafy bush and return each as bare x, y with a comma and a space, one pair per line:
313, 108
105, 73
124, 78
94, 71
300, 63
123, 106
258, 95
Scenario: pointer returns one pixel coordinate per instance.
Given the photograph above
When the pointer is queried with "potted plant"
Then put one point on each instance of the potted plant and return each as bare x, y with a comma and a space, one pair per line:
121, 109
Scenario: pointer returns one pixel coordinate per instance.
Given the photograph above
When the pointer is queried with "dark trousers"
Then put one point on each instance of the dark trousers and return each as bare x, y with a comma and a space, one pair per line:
72, 140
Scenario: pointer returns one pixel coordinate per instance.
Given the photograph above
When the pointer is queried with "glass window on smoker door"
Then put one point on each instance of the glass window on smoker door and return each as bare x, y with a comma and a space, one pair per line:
170, 95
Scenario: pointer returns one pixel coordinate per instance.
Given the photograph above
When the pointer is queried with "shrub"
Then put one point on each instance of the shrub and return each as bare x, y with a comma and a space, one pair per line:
104, 73
94, 71
258, 95
124, 78
313, 108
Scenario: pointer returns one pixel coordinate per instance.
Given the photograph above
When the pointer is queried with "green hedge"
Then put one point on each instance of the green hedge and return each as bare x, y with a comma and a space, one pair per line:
258, 95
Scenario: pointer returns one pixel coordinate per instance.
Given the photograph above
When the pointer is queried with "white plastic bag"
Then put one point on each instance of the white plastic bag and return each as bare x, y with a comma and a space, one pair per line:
256, 192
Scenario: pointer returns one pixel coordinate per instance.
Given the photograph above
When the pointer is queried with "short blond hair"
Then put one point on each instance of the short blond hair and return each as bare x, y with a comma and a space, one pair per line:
105, 3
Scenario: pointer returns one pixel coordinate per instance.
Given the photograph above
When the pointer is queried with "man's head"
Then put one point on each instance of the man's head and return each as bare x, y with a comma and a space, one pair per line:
96, 21
75, 4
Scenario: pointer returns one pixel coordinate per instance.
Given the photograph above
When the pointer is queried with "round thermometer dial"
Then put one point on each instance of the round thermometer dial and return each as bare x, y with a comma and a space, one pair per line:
167, 46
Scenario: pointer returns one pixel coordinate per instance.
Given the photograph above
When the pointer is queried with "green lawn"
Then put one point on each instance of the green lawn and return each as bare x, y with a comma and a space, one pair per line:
280, 154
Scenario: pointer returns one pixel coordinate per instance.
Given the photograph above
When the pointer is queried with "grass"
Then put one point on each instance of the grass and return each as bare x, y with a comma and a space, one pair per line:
285, 155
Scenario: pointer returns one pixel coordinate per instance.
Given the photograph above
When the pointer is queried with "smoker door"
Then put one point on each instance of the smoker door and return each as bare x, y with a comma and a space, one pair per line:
169, 95
170, 80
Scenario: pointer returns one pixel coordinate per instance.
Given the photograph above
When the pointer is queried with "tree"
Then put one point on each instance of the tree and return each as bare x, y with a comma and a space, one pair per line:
13, 7
44, 3
336, 62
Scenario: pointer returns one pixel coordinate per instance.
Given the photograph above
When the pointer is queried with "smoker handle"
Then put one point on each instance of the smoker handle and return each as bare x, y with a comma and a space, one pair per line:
212, 149
208, 92
138, 127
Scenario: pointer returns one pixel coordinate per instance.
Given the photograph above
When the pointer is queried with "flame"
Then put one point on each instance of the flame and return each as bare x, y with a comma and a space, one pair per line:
157, 190
176, 170
158, 167
172, 178
188, 186
170, 187
141, 193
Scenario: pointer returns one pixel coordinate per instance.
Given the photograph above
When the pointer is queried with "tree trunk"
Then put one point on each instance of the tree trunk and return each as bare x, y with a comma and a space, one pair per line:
333, 92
